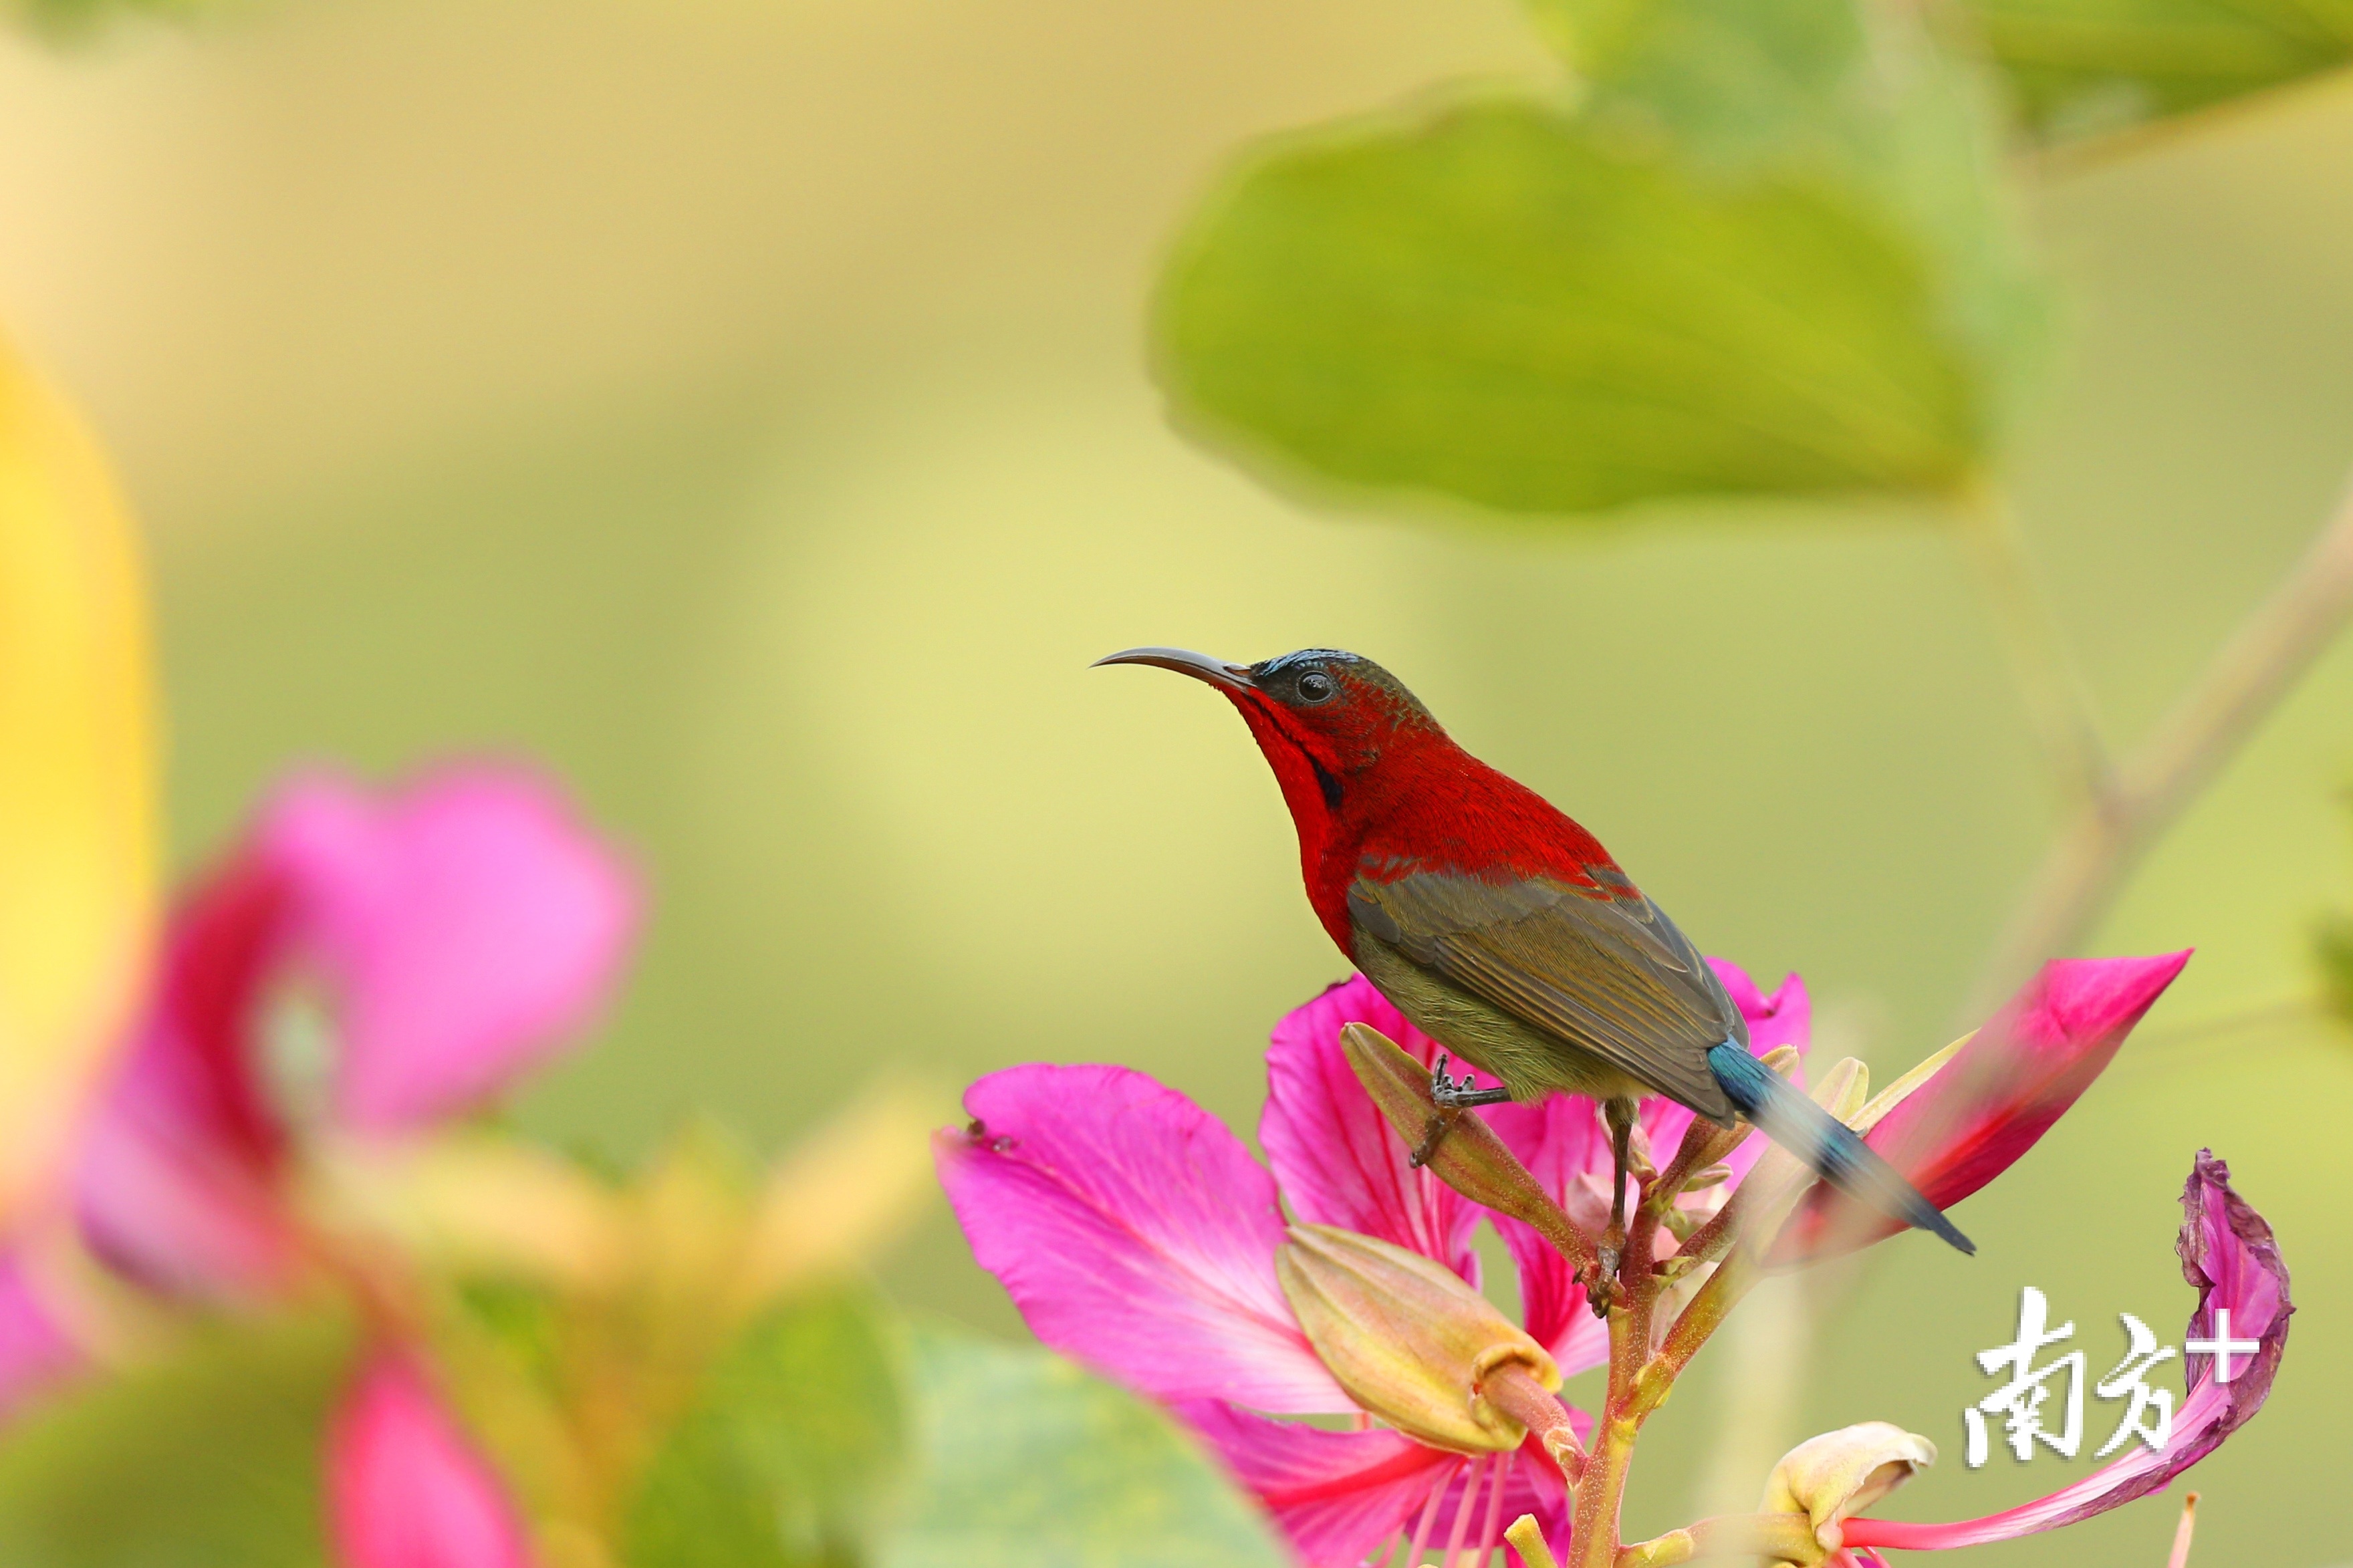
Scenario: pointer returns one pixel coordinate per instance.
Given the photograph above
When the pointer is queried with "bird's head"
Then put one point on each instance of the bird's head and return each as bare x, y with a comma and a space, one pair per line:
1323, 717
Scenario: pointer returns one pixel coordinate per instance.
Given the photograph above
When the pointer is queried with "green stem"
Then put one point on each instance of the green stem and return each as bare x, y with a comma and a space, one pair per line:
2246, 679
2057, 703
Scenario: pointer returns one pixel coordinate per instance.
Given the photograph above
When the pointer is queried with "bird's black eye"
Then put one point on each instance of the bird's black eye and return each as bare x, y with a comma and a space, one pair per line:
1315, 687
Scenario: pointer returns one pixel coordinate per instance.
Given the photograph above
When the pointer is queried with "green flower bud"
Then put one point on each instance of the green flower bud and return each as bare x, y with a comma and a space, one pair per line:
1464, 1151
1407, 1338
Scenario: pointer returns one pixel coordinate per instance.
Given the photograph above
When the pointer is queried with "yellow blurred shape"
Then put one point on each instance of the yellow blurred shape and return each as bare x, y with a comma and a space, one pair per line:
476, 1202
830, 1204
77, 772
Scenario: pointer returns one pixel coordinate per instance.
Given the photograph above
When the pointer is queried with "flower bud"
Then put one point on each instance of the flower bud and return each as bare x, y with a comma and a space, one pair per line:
1843, 1473
1407, 1338
1469, 1156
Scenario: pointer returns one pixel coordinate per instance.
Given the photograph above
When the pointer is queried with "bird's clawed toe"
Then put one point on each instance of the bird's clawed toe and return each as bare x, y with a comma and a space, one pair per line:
1461, 1093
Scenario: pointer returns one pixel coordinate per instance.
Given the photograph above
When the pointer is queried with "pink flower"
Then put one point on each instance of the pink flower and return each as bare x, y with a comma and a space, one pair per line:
1137, 1236
1998, 1092
405, 1487
462, 931
2228, 1254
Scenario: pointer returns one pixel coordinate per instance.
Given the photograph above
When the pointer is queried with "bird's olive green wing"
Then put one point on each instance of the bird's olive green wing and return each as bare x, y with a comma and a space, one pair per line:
1600, 966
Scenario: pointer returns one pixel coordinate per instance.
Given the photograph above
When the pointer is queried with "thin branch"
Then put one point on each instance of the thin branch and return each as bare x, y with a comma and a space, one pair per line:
2209, 724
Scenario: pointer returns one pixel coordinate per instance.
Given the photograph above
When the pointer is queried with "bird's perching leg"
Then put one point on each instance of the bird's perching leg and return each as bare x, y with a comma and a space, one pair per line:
1620, 1112
1453, 1097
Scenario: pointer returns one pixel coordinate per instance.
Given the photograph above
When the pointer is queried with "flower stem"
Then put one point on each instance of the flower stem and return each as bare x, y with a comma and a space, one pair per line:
2205, 728
1633, 1390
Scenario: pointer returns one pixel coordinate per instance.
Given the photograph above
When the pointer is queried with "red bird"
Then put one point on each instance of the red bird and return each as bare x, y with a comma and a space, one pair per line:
1502, 929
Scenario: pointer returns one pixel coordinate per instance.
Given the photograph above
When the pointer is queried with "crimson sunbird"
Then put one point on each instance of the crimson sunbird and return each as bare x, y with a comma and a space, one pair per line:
1503, 930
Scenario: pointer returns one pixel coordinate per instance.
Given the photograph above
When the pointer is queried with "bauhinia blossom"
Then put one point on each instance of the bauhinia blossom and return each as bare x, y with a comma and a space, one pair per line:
461, 934
1137, 1236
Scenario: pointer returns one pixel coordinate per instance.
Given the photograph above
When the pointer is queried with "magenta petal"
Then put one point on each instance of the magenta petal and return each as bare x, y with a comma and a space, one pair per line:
1998, 1096
174, 1183
1336, 1157
1136, 1233
2228, 1253
35, 1350
472, 926
407, 1488
1336, 1495
1561, 1141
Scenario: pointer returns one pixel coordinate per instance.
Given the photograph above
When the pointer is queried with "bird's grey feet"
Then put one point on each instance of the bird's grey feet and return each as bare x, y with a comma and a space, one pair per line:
1461, 1093
1599, 1278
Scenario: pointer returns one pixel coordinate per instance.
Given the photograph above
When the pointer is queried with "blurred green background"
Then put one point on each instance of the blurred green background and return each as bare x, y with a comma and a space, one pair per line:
740, 405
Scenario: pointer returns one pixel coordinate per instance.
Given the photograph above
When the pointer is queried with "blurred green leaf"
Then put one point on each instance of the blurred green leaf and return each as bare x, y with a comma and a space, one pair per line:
2081, 64
1766, 250
73, 20
1492, 304
1029, 1463
211, 1459
790, 1450
2334, 946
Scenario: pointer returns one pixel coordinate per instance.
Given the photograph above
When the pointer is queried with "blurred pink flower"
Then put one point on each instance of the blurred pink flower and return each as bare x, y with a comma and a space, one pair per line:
462, 931
1137, 1236
2228, 1254
405, 1487
1971, 1119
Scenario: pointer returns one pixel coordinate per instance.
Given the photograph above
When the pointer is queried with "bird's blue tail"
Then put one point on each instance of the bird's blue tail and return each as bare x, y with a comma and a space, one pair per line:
1835, 1151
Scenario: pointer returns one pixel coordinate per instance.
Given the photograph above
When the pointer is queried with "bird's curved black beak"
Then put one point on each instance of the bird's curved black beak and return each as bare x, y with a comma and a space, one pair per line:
1185, 661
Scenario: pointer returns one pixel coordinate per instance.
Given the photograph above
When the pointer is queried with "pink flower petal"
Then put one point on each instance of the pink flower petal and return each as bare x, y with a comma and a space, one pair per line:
35, 1350
2001, 1092
1339, 1497
1335, 1495
1336, 1157
2228, 1253
1134, 1233
173, 1183
1561, 1140
471, 925
406, 1488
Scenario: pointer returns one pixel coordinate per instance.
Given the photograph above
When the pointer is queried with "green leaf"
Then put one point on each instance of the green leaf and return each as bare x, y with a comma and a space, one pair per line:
211, 1459
1767, 249
1495, 303
1029, 1463
789, 1451
2078, 64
